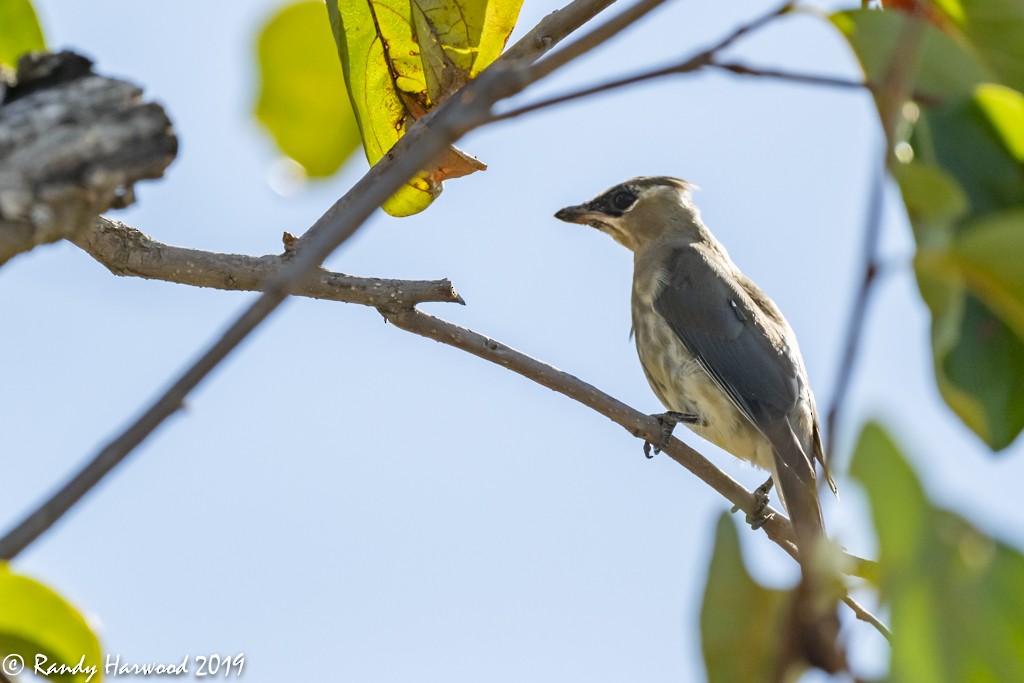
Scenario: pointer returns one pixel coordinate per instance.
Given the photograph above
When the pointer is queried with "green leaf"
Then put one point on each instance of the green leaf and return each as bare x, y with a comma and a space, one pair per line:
300, 100
401, 59
945, 67
993, 29
964, 173
979, 141
965, 197
956, 595
19, 30
36, 622
989, 255
739, 617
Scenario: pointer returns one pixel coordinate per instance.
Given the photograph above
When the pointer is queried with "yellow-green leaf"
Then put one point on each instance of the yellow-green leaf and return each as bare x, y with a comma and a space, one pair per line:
401, 59
956, 594
19, 30
739, 618
36, 623
300, 100
990, 257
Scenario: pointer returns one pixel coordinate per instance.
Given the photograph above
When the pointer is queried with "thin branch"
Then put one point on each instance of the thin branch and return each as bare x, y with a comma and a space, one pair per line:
425, 141
895, 89
126, 251
858, 314
636, 423
701, 59
777, 528
791, 76
868, 617
588, 42
898, 83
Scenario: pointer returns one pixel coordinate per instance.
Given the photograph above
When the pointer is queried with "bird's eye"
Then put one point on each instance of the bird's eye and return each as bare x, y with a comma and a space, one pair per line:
623, 199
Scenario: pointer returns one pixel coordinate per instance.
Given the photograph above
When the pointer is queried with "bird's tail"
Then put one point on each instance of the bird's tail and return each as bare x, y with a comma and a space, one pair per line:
814, 621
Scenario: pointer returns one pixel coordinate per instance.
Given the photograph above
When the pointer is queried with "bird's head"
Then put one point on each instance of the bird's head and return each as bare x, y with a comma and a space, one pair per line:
640, 211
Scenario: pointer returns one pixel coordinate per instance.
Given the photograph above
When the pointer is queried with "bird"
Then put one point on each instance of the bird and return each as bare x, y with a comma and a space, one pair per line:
723, 360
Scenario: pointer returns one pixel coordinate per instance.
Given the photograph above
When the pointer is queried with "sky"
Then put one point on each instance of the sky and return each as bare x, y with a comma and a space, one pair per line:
341, 500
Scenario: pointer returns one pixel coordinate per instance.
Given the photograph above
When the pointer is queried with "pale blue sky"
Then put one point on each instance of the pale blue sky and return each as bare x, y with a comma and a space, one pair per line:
344, 501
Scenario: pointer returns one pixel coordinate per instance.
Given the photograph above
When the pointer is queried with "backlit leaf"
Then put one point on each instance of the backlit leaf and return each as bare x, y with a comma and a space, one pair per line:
401, 59
19, 30
955, 594
739, 618
36, 622
300, 101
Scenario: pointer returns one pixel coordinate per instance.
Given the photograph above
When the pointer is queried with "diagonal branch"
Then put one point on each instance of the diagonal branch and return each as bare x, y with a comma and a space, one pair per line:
636, 423
425, 141
698, 61
777, 527
129, 252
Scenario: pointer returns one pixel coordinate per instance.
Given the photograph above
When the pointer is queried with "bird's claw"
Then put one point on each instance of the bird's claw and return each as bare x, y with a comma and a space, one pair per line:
756, 518
668, 422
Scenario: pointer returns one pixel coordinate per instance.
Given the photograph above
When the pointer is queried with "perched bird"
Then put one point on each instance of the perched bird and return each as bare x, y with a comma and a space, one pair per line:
720, 356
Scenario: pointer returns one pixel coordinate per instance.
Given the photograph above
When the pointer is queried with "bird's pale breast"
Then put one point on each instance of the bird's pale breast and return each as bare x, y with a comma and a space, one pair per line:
682, 384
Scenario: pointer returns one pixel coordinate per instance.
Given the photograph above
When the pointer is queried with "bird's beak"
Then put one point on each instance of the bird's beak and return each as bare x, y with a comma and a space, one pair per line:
581, 213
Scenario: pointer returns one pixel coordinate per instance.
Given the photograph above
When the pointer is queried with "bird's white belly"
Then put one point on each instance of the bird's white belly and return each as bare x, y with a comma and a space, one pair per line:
682, 385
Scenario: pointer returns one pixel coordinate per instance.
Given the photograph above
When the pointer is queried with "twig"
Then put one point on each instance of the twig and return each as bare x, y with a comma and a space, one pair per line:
428, 138
636, 423
894, 90
858, 314
868, 617
791, 76
588, 42
897, 84
777, 528
701, 59
126, 251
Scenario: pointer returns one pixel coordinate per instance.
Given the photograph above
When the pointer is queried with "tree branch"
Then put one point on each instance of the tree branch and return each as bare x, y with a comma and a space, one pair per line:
868, 617
896, 87
636, 423
698, 61
126, 251
72, 145
427, 139
858, 313
777, 528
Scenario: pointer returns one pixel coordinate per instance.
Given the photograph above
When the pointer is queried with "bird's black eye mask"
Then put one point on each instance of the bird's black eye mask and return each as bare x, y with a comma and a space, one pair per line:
616, 201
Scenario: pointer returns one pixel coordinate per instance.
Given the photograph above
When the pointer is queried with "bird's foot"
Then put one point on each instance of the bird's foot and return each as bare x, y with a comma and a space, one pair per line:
757, 518
668, 422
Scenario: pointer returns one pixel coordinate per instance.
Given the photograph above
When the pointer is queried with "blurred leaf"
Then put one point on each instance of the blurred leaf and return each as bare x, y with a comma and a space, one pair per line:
739, 617
963, 172
300, 101
956, 595
971, 159
993, 29
35, 620
979, 141
401, 59
989, 256
19, 30
945, 67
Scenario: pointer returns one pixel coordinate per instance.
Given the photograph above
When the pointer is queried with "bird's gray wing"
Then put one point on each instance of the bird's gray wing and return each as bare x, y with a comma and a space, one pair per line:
713, 315
716, 322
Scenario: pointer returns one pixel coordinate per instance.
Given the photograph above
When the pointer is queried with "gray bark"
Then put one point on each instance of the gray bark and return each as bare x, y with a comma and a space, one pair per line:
72, 145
